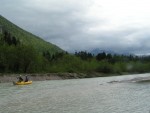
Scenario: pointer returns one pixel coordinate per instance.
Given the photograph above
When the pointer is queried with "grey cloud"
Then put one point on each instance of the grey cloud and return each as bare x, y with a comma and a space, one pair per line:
65, 24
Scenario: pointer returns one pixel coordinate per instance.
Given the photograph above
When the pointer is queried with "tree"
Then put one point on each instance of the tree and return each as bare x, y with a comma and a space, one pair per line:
101, 56
26, 58
84, 55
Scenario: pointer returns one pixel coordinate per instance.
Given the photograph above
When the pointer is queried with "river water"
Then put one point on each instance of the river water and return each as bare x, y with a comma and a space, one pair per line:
93, 95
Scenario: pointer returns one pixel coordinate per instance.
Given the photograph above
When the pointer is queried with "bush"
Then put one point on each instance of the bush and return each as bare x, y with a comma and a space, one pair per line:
105, 67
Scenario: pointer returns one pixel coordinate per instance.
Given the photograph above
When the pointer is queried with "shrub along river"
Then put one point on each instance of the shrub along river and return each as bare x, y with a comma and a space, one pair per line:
121, 94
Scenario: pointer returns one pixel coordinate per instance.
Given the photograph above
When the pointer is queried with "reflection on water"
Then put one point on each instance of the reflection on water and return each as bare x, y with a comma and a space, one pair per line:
95, 95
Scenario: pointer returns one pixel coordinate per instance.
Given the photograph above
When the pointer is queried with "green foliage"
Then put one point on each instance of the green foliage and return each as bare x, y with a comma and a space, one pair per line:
105, 67
120, 67
6, 38
67, 63
101, 56
17, 59
25, 59
84, 55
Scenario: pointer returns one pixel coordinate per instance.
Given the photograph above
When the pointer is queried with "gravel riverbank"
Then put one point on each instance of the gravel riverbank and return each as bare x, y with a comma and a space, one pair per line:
62, 76
39, 77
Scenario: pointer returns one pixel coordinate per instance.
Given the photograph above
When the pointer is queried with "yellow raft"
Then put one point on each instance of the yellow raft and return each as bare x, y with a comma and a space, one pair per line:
22, 83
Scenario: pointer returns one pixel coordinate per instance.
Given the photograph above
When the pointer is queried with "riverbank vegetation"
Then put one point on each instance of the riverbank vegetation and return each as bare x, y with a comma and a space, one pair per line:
16, 57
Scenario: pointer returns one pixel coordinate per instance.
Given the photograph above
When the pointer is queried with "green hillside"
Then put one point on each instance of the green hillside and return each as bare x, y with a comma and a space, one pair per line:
27, 38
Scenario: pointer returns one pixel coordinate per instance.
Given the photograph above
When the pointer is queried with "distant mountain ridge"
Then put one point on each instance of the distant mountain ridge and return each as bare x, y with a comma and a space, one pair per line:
28, 38
97, 51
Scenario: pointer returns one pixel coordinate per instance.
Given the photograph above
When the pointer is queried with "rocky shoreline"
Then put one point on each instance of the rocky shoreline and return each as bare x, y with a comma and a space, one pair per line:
4, 78
40, 77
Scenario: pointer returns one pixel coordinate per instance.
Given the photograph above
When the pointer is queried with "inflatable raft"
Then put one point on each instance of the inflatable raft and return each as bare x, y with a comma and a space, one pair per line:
22, 83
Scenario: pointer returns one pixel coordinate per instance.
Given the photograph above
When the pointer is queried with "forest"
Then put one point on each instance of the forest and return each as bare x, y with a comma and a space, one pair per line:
16, 57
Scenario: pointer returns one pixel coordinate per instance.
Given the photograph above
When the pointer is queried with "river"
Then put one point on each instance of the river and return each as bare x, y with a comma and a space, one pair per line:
92, 95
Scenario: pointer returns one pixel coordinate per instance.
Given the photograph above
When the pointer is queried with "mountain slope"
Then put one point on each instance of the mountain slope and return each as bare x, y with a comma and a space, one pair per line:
27, 38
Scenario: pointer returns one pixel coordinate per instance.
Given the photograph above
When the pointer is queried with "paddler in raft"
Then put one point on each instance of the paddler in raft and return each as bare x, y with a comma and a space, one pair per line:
26, 78
20, 79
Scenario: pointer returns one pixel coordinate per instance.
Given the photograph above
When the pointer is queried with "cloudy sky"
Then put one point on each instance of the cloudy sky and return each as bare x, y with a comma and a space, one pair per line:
116, 25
